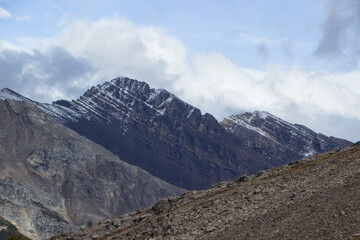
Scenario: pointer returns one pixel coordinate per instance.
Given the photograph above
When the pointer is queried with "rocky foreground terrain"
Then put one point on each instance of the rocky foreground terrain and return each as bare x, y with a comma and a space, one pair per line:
53, 180
315, 198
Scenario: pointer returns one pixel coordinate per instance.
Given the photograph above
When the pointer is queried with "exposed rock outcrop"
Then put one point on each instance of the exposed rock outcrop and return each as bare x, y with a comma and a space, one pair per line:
9, 231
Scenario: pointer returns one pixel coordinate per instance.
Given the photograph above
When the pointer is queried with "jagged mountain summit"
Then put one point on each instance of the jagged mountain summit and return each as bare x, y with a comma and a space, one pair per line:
53, 180
314, 198
157, 131
279, 141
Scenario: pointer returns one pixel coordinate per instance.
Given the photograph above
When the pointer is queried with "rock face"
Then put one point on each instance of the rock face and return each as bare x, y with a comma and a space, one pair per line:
155, 130
314, 198
9, 231
278, 140
52, 179
158, 132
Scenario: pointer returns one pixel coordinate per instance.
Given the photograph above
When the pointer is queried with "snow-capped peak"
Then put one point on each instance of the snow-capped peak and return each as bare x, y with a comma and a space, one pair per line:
245, 122
7, 93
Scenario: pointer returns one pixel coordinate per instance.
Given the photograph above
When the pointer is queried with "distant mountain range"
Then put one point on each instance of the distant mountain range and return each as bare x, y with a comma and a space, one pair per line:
56, 167
157, 131
278, 140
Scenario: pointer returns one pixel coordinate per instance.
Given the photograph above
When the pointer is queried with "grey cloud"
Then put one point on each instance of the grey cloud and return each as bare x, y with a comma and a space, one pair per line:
333, 31
263, 51
43, 76
337, 126
340, 31
287, 48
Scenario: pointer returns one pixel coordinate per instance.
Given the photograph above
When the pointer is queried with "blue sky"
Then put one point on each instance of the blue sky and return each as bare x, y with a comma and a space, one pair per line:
295, 59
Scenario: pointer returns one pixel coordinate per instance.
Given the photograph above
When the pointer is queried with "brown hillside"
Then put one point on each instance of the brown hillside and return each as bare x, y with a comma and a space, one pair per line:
316, 198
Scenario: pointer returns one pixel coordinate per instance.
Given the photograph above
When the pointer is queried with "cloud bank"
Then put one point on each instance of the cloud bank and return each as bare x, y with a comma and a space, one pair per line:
88, 53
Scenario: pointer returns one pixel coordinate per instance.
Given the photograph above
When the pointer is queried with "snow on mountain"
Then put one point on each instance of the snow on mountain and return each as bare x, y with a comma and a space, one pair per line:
171, 139
268, 129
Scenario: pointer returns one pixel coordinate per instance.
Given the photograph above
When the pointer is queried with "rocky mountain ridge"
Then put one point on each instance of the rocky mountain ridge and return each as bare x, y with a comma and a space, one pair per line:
314, 198
53, 180
157, 131
278, 140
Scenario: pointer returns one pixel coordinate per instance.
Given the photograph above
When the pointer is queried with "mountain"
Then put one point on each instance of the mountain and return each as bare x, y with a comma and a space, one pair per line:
279, 141
52, 179
314, 198
157, 131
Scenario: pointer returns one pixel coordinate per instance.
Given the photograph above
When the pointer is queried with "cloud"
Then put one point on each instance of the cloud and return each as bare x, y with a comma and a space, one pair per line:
115, 46
311, 98
287, 48
261, 44
23, 18
4, 14
104, 49
264, 45
333, 32
87, 53
340, 36
44, 76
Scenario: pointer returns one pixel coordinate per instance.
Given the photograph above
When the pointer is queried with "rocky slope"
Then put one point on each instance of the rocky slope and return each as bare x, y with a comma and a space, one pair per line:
314, 198
279, 141
52, 179
9, 231
155, 130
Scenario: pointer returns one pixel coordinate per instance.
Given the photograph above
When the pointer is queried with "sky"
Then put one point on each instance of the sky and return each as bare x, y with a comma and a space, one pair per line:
298, 60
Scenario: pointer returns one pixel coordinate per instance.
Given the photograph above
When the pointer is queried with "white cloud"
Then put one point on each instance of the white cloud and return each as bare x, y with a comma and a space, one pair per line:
220, 87
23, 18
112, 47
115, 46
257, 40
4, 13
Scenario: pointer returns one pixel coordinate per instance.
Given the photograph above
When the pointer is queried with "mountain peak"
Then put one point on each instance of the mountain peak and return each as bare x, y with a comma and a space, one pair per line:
156, 130
130, 85
249, 117
291, 140
8, 93
58, 179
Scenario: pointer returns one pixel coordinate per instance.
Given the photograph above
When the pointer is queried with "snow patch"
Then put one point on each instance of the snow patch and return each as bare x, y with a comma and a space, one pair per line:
245, 124
162, 107
190, 113
310, 153
4, 94
154, 94
263, 114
